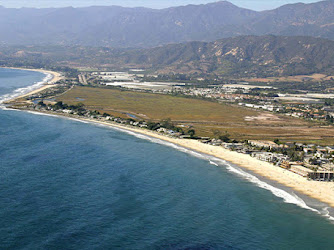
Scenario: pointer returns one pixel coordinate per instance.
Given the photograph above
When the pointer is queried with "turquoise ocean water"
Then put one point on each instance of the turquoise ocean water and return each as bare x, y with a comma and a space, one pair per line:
66, 184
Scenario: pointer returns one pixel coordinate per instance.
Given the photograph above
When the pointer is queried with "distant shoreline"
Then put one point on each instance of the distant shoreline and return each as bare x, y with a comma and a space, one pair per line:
56, 76
321, 191
53, 73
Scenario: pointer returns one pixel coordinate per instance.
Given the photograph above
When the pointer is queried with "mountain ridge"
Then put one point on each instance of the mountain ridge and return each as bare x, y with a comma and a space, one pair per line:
116, 26
242, 56
258, 56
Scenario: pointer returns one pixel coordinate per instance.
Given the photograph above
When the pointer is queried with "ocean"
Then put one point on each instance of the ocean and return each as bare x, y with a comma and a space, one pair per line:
66, 184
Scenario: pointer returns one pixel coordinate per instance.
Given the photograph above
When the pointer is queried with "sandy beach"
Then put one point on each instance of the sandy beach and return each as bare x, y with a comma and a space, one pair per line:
56, 76
322, 191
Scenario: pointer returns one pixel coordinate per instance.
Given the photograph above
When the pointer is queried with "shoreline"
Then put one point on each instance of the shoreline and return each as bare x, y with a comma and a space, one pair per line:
322, 192
55, 77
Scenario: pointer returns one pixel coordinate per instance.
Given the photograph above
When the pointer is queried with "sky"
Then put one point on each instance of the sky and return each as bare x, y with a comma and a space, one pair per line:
156, 4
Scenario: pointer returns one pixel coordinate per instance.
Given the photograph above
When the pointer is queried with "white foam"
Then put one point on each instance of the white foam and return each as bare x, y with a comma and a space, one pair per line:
42, 114
74, 119
59, 116
213, 163
8, 109
326, 214
169, 144
286, 196
22, 91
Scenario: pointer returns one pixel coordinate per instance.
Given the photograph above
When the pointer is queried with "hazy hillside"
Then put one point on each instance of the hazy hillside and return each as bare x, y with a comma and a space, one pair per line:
142, 27
316, 19
117, 26
244, 55
239, 56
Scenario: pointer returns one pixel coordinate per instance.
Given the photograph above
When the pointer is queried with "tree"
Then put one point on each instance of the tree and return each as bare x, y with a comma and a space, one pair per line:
153, 125
80, 105
179, 130
167, 123
225, 137
313, 161
277, 141
191, 132
41, 103
60, 105
314, 148
217, 133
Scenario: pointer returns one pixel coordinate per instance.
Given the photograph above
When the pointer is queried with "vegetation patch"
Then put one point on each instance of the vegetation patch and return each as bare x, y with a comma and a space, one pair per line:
205, 117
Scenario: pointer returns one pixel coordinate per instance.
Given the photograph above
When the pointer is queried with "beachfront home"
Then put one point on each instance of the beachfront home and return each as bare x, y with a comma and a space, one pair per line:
264, 156
308, 149
233, 146
162, 130
313, 172
301, 170
269, 157
264, 144
330, 149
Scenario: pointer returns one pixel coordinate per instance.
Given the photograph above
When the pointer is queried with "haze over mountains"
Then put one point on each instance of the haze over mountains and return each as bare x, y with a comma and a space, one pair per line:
252, 56
258, 56
142, 27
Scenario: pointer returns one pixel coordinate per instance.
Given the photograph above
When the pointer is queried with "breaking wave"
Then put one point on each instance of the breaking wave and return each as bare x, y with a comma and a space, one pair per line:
24, 90
286, 196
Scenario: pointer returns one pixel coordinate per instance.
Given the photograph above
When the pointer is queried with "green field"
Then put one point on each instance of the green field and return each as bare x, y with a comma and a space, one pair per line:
204, 116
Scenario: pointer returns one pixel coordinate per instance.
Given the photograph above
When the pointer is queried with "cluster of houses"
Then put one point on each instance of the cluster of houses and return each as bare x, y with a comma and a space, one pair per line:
114, 76
223, 92
268, 107
316, 162
68, 110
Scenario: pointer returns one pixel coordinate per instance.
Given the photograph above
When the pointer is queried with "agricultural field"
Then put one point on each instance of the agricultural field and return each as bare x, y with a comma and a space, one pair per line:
204, 116
296, 78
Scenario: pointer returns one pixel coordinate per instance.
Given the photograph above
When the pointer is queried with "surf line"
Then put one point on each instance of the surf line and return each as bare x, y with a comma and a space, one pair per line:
287, 197
24, 90
280, 193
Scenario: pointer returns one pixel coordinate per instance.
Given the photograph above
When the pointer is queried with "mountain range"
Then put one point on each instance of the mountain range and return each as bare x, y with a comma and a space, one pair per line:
251, 56
121, 27
258, 56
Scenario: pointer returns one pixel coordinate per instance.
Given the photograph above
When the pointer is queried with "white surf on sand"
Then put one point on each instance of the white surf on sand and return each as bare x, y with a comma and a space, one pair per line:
24, 90
286, 196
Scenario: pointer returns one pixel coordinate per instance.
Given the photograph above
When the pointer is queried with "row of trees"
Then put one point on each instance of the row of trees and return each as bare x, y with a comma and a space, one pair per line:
168, 124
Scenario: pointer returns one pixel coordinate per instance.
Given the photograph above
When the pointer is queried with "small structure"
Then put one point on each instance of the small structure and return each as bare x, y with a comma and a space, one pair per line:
322, 175
330, 149
301, 170
285, 165
264, 156
162, 130
264, 144
308, 171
